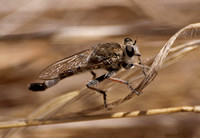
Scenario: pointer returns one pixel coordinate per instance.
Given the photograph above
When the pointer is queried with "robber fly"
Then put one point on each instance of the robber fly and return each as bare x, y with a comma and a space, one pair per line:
109, 56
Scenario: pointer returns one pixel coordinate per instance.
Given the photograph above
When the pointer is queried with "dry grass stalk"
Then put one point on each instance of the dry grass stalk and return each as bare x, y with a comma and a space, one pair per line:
151, 74
153, 71
63, 119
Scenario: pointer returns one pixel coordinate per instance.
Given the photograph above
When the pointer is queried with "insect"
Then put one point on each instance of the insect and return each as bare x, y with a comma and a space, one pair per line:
109, 56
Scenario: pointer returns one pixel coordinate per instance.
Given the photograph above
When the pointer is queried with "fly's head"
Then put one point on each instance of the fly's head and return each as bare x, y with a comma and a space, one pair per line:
130, 49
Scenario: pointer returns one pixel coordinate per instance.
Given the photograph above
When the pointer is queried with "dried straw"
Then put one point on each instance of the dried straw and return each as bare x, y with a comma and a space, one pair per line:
39, 116
64, 119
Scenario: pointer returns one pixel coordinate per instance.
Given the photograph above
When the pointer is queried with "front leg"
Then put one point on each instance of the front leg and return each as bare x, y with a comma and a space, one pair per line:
144, 67
139, 60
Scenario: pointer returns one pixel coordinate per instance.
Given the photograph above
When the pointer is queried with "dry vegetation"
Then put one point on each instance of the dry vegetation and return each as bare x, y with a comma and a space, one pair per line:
52, 31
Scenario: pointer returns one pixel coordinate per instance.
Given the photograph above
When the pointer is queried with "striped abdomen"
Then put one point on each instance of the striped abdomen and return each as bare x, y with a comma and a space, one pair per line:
49, 83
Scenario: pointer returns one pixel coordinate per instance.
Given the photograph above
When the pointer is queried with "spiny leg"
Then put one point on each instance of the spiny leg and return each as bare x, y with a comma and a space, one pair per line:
126, 83
139, 60
142, 66
93, 74
93, 82
100, 91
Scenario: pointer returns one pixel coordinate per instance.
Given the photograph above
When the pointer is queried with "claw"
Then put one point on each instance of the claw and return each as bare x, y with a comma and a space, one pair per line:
145, 69
133, 90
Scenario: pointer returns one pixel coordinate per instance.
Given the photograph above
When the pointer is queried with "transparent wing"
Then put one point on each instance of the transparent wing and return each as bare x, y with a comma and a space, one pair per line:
74, 61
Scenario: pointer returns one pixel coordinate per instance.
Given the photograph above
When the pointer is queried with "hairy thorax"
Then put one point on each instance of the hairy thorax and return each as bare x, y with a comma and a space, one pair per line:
109, 53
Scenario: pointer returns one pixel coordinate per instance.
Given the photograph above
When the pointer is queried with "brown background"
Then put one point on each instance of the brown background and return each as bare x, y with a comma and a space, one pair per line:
37, 33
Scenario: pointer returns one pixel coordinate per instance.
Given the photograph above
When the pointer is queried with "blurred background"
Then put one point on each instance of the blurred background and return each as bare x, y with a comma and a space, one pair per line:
36, 33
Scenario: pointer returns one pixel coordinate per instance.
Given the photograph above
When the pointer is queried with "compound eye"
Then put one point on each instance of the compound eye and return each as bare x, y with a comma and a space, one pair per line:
130, 51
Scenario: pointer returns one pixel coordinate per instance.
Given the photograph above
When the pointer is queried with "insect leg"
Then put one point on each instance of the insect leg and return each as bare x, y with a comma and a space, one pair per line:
126, 83
139, 60
102, 92
93, 82
144, 68
93, 74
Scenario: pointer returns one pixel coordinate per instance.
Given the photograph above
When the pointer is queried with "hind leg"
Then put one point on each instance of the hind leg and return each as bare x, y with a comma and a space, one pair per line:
93, 82
96, 81
93, 74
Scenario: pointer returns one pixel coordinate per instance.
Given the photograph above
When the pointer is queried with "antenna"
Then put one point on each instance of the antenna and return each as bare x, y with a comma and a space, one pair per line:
135, 40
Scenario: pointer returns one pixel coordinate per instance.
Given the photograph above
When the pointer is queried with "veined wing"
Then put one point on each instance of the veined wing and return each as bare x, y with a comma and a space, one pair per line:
74, 61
